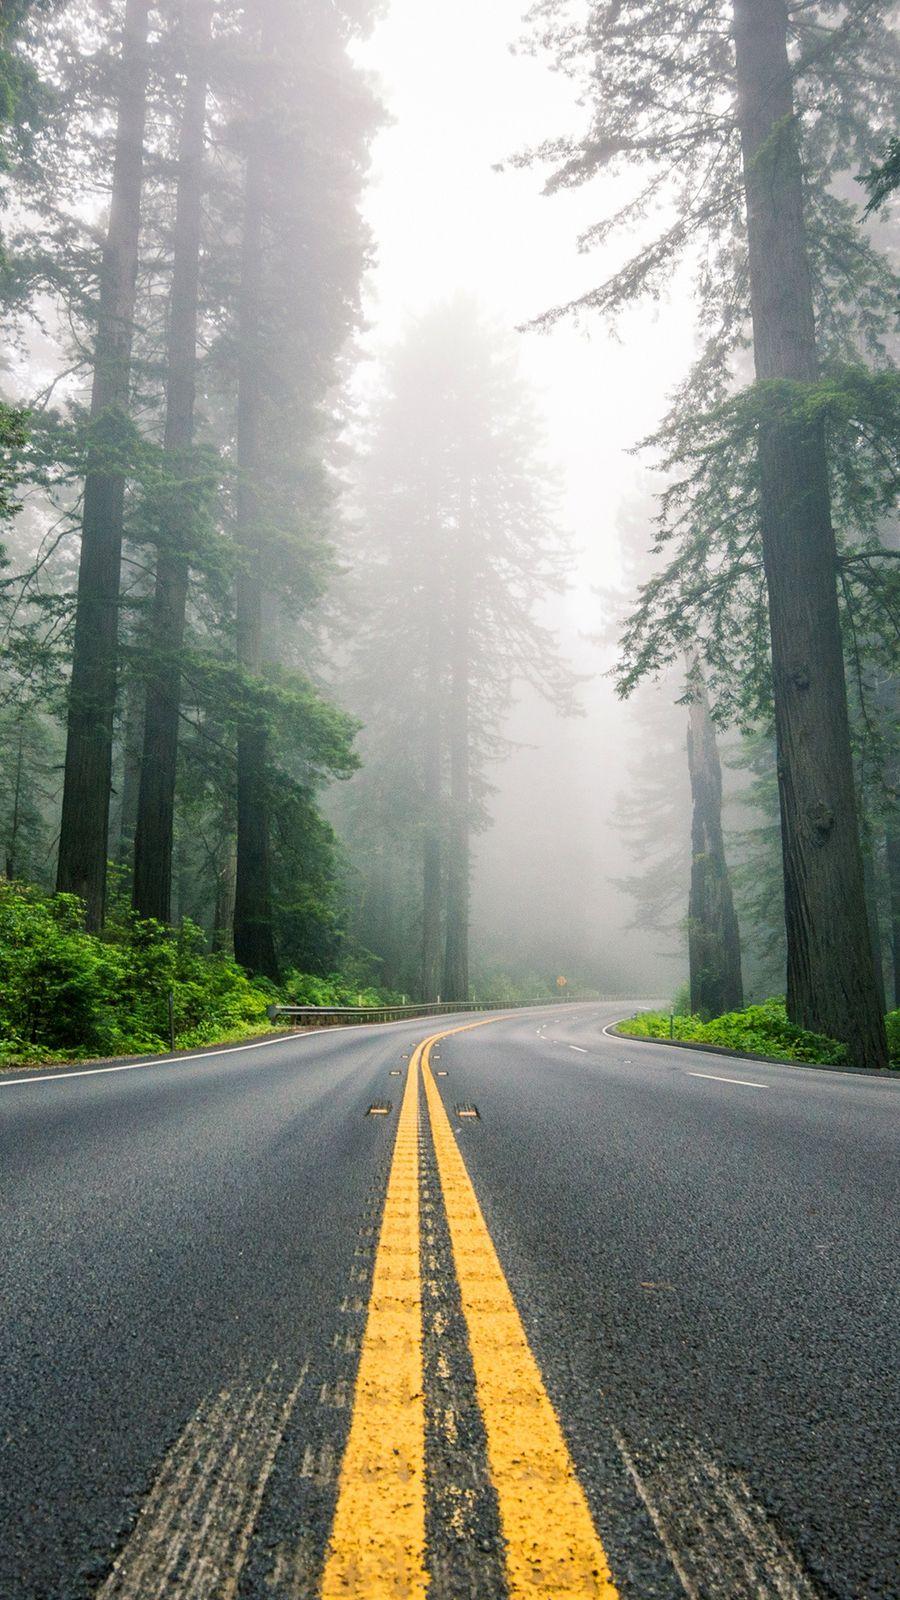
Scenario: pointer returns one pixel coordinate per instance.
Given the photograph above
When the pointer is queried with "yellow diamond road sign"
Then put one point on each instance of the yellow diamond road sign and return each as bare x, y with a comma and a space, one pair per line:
561, 983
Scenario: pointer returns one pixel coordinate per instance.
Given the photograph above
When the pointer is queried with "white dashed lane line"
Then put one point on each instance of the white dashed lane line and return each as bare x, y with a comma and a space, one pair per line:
744, 1082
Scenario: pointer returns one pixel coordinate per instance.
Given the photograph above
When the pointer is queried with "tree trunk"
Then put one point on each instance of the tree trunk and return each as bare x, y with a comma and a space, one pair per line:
223, 909
254, 937
714, 945
13, 839
456, 950
431, 840
870, 879
152, 889
889, 696
84, 828
892, 853
381, 912
830, 977
181, 880
132, 738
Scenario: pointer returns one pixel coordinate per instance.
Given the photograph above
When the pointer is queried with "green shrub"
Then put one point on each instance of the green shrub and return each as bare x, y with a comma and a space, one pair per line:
762, 1030
305, 989
211, 993
681, 1005
54, 980
65, 993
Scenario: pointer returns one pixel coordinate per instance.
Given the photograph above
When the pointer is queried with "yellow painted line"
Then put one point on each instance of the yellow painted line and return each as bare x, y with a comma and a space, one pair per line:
377, 1545
552, 1547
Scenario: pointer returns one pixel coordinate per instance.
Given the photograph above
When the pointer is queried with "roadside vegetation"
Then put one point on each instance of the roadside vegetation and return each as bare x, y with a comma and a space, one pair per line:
66, 994
763, 1029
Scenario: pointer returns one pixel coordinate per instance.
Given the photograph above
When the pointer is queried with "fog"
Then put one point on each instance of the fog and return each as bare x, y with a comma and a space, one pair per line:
329, 526
445, 218
325, 660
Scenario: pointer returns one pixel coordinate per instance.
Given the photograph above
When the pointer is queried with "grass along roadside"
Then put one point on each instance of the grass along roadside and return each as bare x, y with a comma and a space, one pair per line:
762, 1030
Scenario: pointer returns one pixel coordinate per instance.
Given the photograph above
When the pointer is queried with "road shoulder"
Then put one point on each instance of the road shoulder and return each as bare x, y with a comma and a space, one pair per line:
613, 1030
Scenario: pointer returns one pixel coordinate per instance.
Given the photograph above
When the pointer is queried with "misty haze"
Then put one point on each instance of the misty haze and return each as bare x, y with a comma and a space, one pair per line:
449, 799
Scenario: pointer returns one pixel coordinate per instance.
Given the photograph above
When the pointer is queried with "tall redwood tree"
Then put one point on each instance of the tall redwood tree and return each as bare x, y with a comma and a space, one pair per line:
154, 832
707, 98
84, 829
831, 983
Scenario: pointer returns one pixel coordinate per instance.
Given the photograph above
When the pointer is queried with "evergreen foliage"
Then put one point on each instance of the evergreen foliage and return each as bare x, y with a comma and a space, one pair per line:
737, 124
65, 991
884, 178
275, 78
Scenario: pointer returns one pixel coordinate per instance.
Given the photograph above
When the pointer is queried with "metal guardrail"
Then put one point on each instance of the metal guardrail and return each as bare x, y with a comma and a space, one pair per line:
340, 1016
343, 1016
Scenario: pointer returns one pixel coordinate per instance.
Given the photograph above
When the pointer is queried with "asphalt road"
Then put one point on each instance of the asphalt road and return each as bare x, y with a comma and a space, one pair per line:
702, 1253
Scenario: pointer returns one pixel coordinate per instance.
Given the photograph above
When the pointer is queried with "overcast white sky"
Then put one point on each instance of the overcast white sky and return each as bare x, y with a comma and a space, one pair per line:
444, 219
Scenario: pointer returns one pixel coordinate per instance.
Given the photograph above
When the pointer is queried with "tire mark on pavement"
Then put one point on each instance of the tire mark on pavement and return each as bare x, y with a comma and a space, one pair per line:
194, 1530
719, 1540
289, 1550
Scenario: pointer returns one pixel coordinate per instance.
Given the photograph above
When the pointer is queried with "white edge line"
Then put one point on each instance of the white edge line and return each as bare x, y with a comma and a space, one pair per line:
62, 1076
158, 1061
702, 1049
580, 1048
744, 1082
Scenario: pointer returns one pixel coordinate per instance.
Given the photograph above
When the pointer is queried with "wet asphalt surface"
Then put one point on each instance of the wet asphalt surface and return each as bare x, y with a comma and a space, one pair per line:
707, 1272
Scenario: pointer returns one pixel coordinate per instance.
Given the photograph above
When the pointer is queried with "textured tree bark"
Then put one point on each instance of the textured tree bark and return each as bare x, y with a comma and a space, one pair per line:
892, 852
132, 721
870, 879
181, 879
714, 945
456, 950
152, 887
889, 695
84, 828
431, 840
830, 974
223, 907
254, 937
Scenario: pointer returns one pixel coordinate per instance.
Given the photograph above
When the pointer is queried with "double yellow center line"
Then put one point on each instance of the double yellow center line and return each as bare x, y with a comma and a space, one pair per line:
377, 1549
